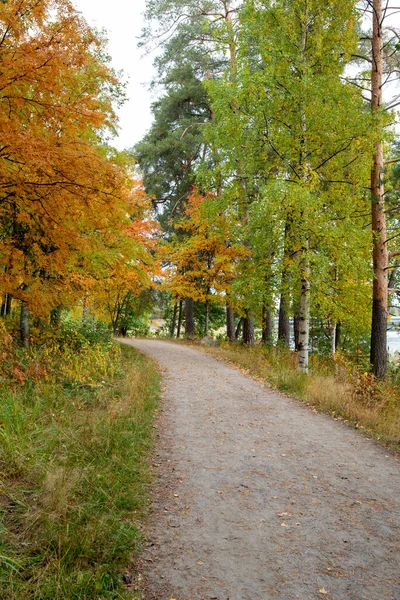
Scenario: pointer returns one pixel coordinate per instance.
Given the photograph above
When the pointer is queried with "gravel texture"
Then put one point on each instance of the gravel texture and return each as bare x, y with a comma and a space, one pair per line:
259, 498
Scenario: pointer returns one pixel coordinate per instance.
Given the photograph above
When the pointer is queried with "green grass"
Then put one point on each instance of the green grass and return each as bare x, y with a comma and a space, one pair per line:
74, 483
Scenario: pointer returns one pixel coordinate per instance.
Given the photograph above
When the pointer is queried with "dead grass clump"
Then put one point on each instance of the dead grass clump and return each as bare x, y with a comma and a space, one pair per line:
328, 394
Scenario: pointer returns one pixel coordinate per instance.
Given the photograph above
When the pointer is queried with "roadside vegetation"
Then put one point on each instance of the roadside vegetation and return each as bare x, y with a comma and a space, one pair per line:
337, 386
75, 432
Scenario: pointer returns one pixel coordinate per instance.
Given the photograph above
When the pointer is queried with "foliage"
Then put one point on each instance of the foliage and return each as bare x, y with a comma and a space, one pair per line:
73, 217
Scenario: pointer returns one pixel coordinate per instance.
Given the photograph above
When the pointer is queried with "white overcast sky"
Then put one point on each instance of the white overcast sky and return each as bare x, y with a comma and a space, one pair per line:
123, 20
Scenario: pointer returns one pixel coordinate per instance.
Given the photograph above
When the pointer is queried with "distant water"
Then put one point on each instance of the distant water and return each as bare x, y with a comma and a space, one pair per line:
393, 341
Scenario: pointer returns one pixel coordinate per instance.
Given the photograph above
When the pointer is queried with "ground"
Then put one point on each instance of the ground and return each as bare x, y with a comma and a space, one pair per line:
259, 498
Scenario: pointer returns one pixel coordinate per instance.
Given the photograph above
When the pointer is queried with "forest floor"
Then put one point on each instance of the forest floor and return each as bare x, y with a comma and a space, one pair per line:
258, 497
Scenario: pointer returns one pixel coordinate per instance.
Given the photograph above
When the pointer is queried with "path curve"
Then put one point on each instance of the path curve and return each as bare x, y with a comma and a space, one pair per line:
259, 498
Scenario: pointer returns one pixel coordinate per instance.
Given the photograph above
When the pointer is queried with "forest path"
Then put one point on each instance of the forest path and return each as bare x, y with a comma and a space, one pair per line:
258, 497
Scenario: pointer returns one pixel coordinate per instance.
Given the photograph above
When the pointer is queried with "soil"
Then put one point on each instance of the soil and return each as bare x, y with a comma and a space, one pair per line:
259, 498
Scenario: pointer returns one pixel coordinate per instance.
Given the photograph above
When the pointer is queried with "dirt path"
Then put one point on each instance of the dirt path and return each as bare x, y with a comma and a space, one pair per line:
260, 498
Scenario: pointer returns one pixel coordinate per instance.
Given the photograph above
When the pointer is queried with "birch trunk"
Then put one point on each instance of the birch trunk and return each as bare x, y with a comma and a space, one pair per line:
304, 319
380, 252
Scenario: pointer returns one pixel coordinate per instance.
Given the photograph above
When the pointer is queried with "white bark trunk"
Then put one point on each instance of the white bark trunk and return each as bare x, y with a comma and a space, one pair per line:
304, 320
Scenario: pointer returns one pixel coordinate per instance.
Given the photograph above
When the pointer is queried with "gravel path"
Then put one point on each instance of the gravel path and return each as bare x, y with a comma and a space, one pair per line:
258, 497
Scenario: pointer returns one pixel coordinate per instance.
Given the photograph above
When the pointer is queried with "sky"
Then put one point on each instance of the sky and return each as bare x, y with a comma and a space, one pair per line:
123, 20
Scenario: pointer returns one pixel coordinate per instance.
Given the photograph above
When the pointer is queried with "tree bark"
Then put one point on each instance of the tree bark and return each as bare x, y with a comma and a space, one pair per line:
189, 318
8, 305
338, 335
180, 315
380, 257
248, 329
267, 325
230, 324
24, 325
296, 329
173, 324
3, 306
207, 317
304, 319
283, 322
239, 328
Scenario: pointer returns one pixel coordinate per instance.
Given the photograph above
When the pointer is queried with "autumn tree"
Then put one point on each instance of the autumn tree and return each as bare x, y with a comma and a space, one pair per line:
62, 190
202, 265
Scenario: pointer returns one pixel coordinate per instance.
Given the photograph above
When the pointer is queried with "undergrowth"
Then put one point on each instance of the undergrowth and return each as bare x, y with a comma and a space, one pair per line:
75, 430
335, 387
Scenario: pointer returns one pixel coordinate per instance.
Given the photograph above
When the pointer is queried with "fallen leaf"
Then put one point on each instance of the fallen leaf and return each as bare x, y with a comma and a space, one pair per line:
200, 562
323, 591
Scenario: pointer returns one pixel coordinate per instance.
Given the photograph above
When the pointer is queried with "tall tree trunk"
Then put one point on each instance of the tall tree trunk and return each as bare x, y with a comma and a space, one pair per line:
304, 318
380, 252
8, 305
267, 325
189, 318
248, 329
296, 329
207, 317
283, 320
3, 306
332, 335
180, 315
239, 328
230, 324
338, 335
24, 325
173, 324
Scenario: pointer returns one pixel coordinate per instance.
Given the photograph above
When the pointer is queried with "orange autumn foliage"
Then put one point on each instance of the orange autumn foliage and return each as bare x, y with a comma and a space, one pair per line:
66, 199
203, 263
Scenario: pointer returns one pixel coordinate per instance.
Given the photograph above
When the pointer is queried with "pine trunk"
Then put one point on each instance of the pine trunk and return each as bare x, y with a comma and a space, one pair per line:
380, 251
24, 325
230, 324
189, 318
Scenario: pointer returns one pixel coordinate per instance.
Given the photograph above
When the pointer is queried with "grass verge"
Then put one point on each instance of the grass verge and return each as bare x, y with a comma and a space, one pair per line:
74, 481
331, 387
